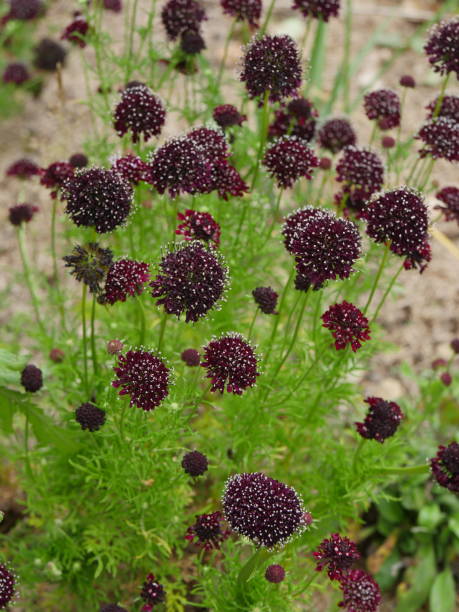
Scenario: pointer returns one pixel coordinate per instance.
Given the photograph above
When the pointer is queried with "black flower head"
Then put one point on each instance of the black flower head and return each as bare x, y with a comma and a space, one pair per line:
191, 357
198, 226
360, 592
441, 139
295, 224
319, 9
347, 324
450, 198
98, 198
227, 181
399, 216
144, 377
89, 416
31, 378
132, 168
362, 173
445, 467
16, 74
208, 531
232, 362
266, 511
383, 105
195, 463
297, 118
192, 43
25, 10
7, 586
448, 108
111, 608
211, 142
289, 159
442, 48
227, 115
152, 592
180, 16
382, 420
407, 80
55, 175
275, 573
191, 280
243, 10
23, 169
22, 213
125, 278
266, 299
336, 134
76, 31
48, 54
337, 554
272, 65
89, 264
139, 112
78, 160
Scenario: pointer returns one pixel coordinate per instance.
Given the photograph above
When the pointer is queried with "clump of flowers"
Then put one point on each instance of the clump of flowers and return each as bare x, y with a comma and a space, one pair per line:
89, 416
445, 466
48, 54
144, 377
297, 118
383, 105
139, 112
348, 325
7, 586
288, 159
362, 173
131, 168
319, 9
152, 593
360, 592
195, 463
16, 73
266, 511
336, 134
266, 299
272, 66
450, 198
275, 573
76, 31
21, 213
337, 554
191, 280
442, 48
208, 531
243, 10
89, 264
179, 16
125, 277
32, 378
449, 108
227, 115
198, 226
55, 175
441, 139
23, 169
382, 420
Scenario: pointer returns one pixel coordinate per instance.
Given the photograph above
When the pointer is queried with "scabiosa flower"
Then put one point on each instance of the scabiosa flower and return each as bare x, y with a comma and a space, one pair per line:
450, 198
7, 586
22, 213
446, 379
275, 573
113, 5
152, 592
78, 160
191, 280
297, 118
347, 324
449, 108
362, 173
455, 345
57, 355
295, 224
337, 554
208, 531
272, 64
48, 54
144, 377
114, 347
125, 277
387, 142
192, 42
243, 10
25, 10
288, 159
212, 143
407, 80
419, 258
98, 198
89, 264
191, 357
336, 134
382, 420
227, 115
266, 511
180, 16
360, 592
23, 168
76, 31
325, 163
89, 416
55, 175
31, 378
195, 463
441, 139
198, 226
139, 112
442, 48
132, 168
319, 9
266, 299
445, 466
227, 181
384, 106
16, 74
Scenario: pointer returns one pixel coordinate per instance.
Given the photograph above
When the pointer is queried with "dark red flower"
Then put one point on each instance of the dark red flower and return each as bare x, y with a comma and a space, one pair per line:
455, 345
337, 554
227, 116
180, 16
211, 142
192, 43
7, 586
48, 54
152, 592
98, 198
319, 9
336, 134
78, 160
266, 299
445, 467
449, 108
450, 197
439, 363
275, 573
419, 258
31, 378
57, 355
76, 31
144, 377
295, 224
289, 159
441, 139
125, 277
446, 379
442, 48
191, 357
407, 81
132, 169
23, 168
325, 163
297, 118
362, 173
347, 324
25, 10
195, 463
208, 530
55, 175
227, 181
198, 226
16, 73
388, 142
384, 106
360, 592
113, 5
191, 280
266, 511
243, 10
89, 264
382, 420
89, 416
22, 213
272, 64
139, 112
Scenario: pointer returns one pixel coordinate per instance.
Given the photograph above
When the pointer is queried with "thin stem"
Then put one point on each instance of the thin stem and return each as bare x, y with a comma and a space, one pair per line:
386, 293
347, 55
374, 131
93, 336
26, 444
277, 319
85, 339
440, 98
306, 35
142, 320
377, 277
263, 136
413, 170
357, 453
427, 173
252, 324
225, 55
28, 276
318, 55
267, 18
161, 331
55, 268
275, 213
131, 39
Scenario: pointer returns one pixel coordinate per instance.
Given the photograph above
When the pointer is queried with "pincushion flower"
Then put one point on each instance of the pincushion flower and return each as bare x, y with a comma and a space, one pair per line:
362, 173
23, 169
382, 420
195, 463
152, 593
407, 80
243, 10
319, 9
180, 16
336, 134
231, 363
289, 159
125, 277
89, 264
337, 554
347, 324
139, 112
445, 467
266, 511
450, 198
192, 42
78, 160
442, 47
132, 168
89, 416
360, 592
191, 357
76, 31
7, 586
55, 175
266, 299
16, 73
48, 55
448, 108
32, 378
198, 226
297, 118
144, 377
441, 139
208, 531
227, 181
275, 573
21, 213
419, 258
383, 105
227, 115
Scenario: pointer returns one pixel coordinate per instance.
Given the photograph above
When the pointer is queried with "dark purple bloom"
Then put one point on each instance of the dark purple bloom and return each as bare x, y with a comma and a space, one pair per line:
419, 258
388, 142
297, 118
31, 378
446, 379
144, 377
195, 463
89, 416
16, 73
442, 48
180, 16
191, 280
22, 213
132, 168
266, 511
266, 299
76, 31
382, 420
407, 81
441, 139
243, 10
23, 168
227, 116
275, 573
438, 363
7, 586
57, 355
208, 531
78, 160
191, 357
295, 224
384, 106
55, 175
450, 198
192, 43
445, 466
152, 592
362, 173
455, 345
48, 54
139, 112
360, 592
89, 264
113, 5
347, 324
212, 143
289, 159
98, 198
449, 108
272, 65
227, 181
125, 277
198, 226
336, 134
325, 163
25, 10
337, 554
319, 9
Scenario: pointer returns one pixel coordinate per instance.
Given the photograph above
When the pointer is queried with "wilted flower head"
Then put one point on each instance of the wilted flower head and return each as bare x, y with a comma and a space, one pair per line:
21, 213
132, 168
297, 118
48, 54
89, 416
125, 277
15, 73
198, 226
272, 65
266, 299
441, 139
319, 9
152, 592
227, 115
191, 357
76, 31
78, 160
195, 463
337, 554
407, 80
23, 168
347, 324
336, 134
144, 377
266, 511
362, 173
288, 159
192, 43
89, 264
382, 420
7, 586
191, 280
442, 48
139, 112
243, 10
55, 175
275, 573
31, 378
449, 108
445, 467
450, 198
384, 106
208, 530
360, 592
24, 10
180, 16
98, 198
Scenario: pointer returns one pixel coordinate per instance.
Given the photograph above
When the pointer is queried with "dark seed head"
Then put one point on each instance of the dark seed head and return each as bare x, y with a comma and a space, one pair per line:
48, 54
31, 378
266, 299
78, 160
382, 420
227, 116
22, 213
89, 264
383, 105
347, 324
16, 74
407, 81
89, 416
337, 554
275, 573
192, 43
388, 142
139, 112
195, 463
191, 357
446, 379
360, 592
455, 345
319, 9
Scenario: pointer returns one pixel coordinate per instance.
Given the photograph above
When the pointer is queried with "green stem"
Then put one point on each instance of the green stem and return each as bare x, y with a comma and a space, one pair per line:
306, 35
252, 324
93, 336
55, 267
413, 170
318, 55
26, 444
277, 319
415, 469
347, 56
225, 55
267, 18
275, 213
85, 339
386, 293
260, 555
28, 276
374, 131
161, 330
377, 277
427, 173
440, 98
142, 320
131, 40
263, 137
